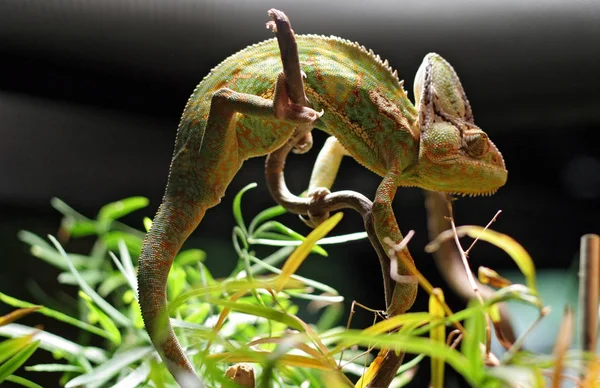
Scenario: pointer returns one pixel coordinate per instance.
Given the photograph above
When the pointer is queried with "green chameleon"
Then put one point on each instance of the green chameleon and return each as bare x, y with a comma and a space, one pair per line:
242, 110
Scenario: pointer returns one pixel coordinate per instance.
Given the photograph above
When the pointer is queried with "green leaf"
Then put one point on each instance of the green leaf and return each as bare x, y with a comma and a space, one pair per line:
474, 338
263, 234
330, 316
190, 256
54, 368
410, 344
66, 210
111, 282
91, 277
113, 238
126, 266
135, 378
115, 314
80, 228
9, 300
41, 249
219, 288
176, 282
17, 360
103, 319
147, 224
265, 215
12, 346
260, 311
111, 368
22, 381
54, 343
115, 210
237, 207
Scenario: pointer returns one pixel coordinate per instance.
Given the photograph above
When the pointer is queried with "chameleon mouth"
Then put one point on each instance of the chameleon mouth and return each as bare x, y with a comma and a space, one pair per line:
473, 194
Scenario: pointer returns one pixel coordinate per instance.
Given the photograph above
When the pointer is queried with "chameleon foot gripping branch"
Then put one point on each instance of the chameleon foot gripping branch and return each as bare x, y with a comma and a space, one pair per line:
245, 108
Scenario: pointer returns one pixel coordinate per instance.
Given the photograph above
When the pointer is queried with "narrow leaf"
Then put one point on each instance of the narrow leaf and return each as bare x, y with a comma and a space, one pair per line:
260, 311
135, 378
474, 338
22, 381
13, 346
104, 305
54, 343
237, 207
54, 368
110, 368
17, 360
42, 250
118, 209
54, 314
17, 314
298, 256
437, 334
103, 319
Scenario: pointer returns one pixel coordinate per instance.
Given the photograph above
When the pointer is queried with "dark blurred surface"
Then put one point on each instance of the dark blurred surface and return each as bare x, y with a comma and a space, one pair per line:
91, 94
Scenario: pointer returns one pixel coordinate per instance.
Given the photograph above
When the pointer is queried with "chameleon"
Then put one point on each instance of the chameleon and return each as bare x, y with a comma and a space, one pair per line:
242, 109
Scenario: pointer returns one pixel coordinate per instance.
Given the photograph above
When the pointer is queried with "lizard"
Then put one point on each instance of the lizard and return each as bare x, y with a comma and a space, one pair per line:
242, 109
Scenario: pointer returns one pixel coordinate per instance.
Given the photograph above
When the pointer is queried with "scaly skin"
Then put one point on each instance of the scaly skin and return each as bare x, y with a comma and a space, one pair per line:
240, 111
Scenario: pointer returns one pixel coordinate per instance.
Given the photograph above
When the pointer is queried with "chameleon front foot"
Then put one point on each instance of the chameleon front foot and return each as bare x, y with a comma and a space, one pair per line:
289, 111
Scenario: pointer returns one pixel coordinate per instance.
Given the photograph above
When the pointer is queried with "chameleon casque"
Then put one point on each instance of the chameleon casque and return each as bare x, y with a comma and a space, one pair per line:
242, 110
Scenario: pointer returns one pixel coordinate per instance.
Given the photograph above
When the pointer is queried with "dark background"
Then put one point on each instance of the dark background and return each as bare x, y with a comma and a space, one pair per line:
91, 94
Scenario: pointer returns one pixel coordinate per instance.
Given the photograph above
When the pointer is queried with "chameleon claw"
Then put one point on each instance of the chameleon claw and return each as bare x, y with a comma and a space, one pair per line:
303, 145
315, 219
270, 25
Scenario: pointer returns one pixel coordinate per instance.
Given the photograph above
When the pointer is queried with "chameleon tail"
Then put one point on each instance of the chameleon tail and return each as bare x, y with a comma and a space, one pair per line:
175, 220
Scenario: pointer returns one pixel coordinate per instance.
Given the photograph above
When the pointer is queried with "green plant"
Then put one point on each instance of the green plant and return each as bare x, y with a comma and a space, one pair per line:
247, 317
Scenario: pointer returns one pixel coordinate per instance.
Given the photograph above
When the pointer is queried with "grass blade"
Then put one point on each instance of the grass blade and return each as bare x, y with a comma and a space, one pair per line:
17, 360
54, 343
115, 314
109, 369
22, 381
298, 256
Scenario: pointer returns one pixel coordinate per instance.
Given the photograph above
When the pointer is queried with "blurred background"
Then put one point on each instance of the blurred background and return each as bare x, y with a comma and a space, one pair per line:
91, 93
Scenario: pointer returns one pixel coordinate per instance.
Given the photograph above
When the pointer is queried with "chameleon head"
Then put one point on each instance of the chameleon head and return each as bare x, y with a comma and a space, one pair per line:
455, 155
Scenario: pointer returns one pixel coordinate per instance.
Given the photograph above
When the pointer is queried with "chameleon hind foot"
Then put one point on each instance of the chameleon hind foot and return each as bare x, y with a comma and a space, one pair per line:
316, 197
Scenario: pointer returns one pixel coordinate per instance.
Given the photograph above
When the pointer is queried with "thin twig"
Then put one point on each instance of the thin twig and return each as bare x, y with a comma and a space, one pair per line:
484, 229
519, 341
352, 311
463, 256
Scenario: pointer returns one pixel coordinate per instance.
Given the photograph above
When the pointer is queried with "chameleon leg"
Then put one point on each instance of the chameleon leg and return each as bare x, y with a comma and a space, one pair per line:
227, 104
403, 294
384, 367
201, 170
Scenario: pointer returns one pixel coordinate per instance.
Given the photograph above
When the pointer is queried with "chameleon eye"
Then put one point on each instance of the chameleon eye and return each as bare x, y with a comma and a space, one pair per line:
476, 143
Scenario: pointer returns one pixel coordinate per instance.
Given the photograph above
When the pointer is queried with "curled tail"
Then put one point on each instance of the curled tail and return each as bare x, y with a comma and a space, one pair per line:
175, 220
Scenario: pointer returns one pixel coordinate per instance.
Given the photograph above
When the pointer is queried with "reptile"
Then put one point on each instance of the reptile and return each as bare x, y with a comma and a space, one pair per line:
242, 109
